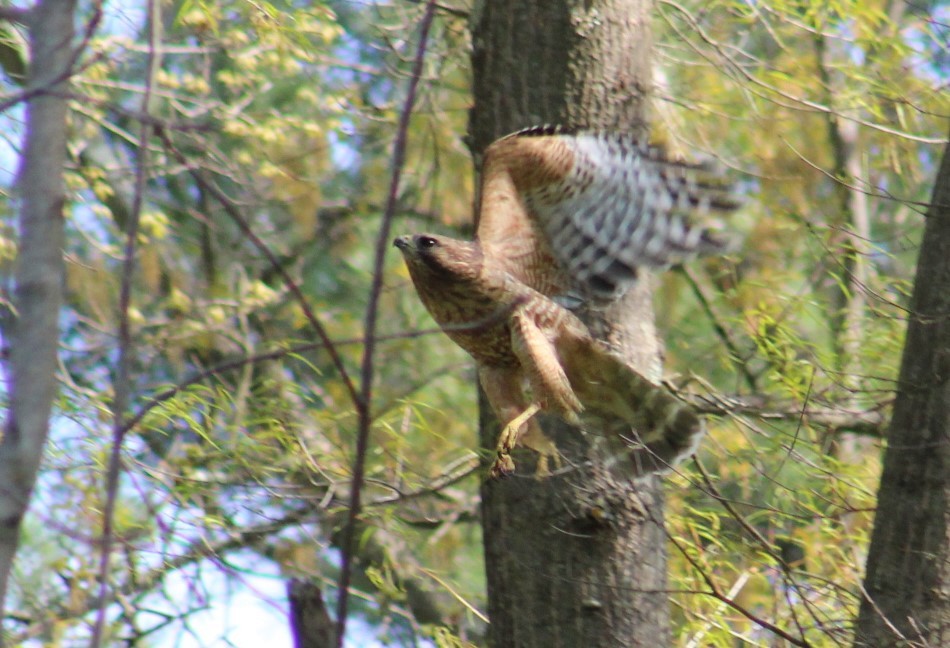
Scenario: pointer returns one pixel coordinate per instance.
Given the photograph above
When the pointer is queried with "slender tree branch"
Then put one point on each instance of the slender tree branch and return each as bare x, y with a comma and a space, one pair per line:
706, 303
851, 183
763, 543
238, 363
757, 86
56, 86
718, 594
122, 378
235, 214
446, 9
423, 604
369, 328
15, 15
870, 422
193, 553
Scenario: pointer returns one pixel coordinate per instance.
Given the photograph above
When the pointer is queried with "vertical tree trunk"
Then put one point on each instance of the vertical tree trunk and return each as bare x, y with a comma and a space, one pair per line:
32, 329
577, 559
310, 622
848, 277
908, 571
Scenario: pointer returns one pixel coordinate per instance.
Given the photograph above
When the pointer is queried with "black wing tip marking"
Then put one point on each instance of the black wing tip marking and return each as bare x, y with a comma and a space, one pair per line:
545, 130
548, 130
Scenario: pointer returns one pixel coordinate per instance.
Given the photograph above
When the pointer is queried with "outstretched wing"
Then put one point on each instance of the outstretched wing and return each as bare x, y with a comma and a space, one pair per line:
567, 211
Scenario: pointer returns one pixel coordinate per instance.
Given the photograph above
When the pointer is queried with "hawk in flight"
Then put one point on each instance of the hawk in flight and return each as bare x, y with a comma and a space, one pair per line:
568, 217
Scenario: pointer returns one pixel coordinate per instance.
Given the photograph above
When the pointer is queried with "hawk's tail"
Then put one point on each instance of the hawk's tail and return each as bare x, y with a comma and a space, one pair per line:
646, 428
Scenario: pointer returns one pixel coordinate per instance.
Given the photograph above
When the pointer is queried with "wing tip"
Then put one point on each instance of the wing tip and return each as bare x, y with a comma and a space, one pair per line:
546, 130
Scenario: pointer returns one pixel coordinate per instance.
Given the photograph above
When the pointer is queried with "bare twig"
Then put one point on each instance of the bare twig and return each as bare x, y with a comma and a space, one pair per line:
369, 329
372, 552
756, 86
15, 15
238, 363
763, 543
57, 85
122, 378
235, 214
706, 303
446, 9
851, 183
718, 594
195, 552
870, 422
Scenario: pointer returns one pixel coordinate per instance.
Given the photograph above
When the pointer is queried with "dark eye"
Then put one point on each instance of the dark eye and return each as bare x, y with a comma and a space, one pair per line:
426, 242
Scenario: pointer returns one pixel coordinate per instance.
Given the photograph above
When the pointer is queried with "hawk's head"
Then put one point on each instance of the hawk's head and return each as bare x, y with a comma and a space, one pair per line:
440, 257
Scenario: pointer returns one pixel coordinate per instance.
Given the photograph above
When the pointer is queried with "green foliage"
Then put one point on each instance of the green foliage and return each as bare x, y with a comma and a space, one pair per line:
244, 429
811, 100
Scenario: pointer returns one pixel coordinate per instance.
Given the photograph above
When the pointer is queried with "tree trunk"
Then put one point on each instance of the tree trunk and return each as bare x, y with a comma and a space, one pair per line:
32, 328
907, 583
310, 622
580, 558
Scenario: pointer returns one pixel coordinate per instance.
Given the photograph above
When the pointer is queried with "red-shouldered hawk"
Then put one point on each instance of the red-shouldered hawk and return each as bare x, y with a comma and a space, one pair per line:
568, 215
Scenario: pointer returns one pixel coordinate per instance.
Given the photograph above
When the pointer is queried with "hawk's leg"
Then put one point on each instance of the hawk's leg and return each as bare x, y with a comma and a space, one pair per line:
505, 393
511, 433
541, 363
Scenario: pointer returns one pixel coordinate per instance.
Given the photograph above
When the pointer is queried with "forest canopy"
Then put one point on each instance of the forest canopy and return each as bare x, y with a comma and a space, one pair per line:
234, 345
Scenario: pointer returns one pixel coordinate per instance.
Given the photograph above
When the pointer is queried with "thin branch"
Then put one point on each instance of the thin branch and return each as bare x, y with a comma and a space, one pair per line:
446, 9
762, 541
706, 303
235, 214
766, 90
122, 380
851, 183
716, 593
369, 330
370, 553
17, 15
238, 363
458, 597
193, 553
55, 85
870, 422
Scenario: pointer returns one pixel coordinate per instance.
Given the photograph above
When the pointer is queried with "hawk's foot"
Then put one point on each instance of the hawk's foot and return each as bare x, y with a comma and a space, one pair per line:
502, 467
508, 439
511, 433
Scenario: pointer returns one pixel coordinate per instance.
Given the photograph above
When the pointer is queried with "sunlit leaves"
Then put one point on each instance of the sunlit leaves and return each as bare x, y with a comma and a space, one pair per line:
290, 109
822, 106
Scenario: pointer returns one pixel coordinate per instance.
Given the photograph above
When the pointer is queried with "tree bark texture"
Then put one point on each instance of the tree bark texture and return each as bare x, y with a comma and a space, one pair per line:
907, 583
310, 621
31, 330
577, 559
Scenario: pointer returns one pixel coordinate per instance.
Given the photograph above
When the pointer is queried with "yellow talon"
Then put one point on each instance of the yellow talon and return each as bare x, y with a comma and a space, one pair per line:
508, 439
511, 432
503, 466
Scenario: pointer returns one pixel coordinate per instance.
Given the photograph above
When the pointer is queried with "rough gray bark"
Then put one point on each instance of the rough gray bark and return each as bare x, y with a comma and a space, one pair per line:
580, 558
309, 619
32, 330
908, 571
